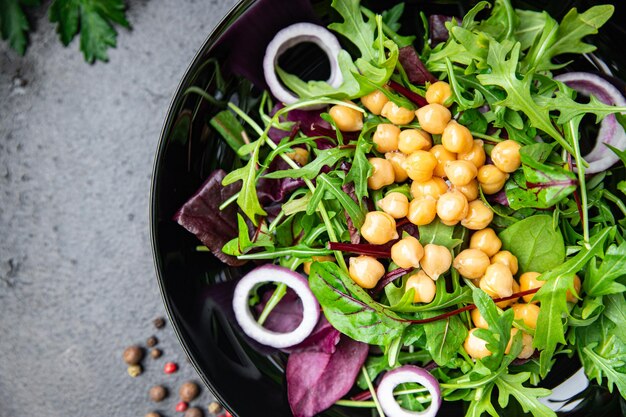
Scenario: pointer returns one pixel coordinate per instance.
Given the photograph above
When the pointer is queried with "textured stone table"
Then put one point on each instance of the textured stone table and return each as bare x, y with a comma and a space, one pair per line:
77, 282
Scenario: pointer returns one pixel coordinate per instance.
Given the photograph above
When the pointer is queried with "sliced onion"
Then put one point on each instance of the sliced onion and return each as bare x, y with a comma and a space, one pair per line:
611, 132
295, 281
294, 35
403, 375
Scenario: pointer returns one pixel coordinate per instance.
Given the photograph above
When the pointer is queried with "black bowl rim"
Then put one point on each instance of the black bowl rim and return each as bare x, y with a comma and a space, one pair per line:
170, 117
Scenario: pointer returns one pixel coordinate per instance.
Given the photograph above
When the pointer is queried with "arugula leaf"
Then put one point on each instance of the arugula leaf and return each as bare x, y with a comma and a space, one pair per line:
536, 244
552, 295
499, 332
568, 108
620, 153
503, 60
327, 157
13, 23
513, 385
350, 309
530, 26
230, 129
361, 168
502, 22
602, 280
444, 337
481, 402
95, 18
248, 199
354, 28
326, 184
573, 28
438, 233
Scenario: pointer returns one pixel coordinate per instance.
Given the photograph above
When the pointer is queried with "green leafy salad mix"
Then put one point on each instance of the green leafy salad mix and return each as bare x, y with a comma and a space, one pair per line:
448, 226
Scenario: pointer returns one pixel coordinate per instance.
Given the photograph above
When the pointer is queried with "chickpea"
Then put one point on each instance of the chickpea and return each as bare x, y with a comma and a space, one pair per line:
506, 258
397, 159
420, 165
374, 101
452, 207
471, 263
487, 241
433, 118
395, 204
528, 313
386, 137
530, 281
407, 252
497, 281
382, 173
366, 271
475, 346
460, 172
422, 211
396, 114
379, 228
307, 265
423, 286
505, 304
478, 319
436, 260
411, 140
457, 138
479, 215
527, 344
476, 155
438, 93
346, 118
299, 155
470, 191
434, 188
573, 298
505, 155
491, 179
442, 155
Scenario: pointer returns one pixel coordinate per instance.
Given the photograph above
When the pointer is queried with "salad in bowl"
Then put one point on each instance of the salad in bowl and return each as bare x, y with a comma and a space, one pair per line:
425, 225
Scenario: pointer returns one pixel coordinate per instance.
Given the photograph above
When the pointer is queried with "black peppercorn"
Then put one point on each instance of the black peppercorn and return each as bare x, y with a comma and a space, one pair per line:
159, 322
152, 341
188, 391
133, 355
193, 412
157, 393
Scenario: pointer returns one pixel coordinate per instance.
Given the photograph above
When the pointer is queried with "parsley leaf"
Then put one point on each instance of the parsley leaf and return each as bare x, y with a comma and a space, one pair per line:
94, 18
13, 23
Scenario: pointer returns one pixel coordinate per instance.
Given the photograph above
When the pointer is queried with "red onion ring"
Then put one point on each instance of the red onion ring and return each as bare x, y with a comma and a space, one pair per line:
294, 35
611, 132
295, 281
403, 375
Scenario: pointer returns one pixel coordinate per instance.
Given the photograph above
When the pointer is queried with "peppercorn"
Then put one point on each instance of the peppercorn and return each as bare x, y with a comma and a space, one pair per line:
159, 322
214, 407
157, 393
193, 412
227, 414
152, 341
181, 407
155, 353
170, 368
132, 355
153, 414
134, 370
188, 391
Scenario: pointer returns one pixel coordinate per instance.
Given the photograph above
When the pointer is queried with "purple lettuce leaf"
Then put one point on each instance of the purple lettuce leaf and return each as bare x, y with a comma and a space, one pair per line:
271, 190
437, 27
316, 380
287, 315
414, 67
202, 217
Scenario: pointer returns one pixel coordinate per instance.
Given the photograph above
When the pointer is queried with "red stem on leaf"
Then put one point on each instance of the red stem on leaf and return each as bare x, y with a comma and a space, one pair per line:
377, 251
414, 97
579, 205
389, 277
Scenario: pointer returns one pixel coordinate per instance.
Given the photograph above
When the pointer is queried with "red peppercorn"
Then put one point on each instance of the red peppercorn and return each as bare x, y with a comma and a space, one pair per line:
170, 368
181, 407
227, 414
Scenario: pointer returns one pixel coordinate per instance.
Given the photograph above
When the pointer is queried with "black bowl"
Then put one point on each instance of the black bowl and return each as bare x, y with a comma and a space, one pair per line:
247, 381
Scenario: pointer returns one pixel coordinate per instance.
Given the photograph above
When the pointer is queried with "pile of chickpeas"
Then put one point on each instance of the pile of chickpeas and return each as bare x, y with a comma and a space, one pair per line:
445, 181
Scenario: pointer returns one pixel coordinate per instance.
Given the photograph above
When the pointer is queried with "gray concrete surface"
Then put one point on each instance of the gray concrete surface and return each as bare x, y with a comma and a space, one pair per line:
76, 276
